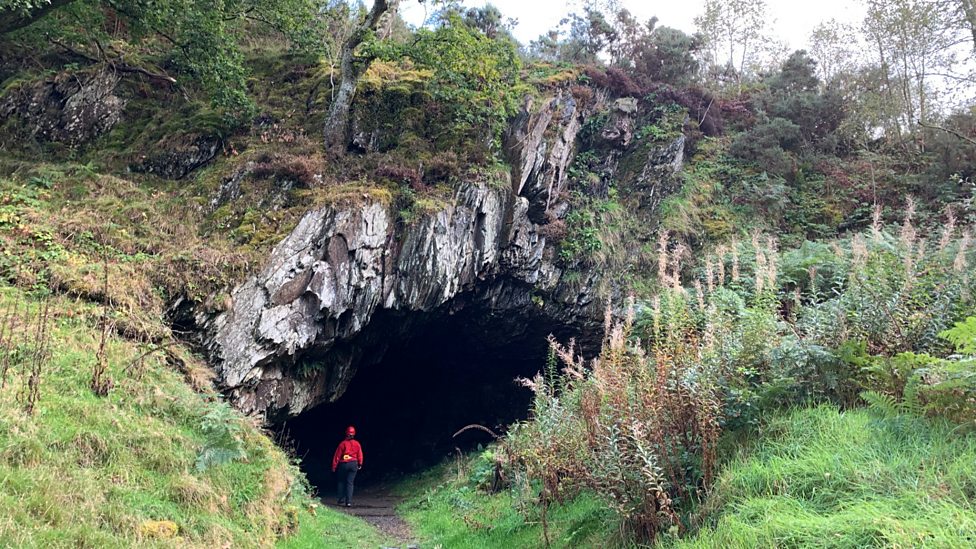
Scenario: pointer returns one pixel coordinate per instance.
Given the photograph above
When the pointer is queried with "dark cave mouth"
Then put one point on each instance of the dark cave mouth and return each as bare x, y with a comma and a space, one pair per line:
452, 372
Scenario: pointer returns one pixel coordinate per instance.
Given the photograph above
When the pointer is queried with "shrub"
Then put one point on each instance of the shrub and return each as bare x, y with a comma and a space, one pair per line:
402, 175
637, 428
305, 171
444, 166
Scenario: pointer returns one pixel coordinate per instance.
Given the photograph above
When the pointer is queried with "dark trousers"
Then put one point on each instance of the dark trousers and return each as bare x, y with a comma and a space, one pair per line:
346, 473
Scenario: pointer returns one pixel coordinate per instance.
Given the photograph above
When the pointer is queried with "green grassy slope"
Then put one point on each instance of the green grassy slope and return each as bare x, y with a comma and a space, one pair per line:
122, 470
447, 510
823, 478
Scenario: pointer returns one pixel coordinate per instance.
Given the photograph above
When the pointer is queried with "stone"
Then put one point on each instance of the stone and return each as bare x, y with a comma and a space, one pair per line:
349, 279
314, 302
540, 145
175, 158
71, 107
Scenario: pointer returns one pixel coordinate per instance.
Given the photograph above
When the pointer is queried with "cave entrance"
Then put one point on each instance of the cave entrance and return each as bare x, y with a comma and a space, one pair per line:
453, 371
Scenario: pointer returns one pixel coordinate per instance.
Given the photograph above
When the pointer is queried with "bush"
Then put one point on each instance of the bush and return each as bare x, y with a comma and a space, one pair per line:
473, 87
920, 384
638, 429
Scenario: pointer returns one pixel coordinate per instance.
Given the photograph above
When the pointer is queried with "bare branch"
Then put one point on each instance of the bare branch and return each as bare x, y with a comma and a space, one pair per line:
948, 130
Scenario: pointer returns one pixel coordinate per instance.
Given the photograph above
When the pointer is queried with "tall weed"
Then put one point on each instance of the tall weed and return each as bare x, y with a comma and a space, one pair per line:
753, 330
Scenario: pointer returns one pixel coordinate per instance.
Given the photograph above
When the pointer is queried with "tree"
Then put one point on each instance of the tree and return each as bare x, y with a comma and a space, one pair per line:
200, 39
834, 45
916, 45
969, 16
17, 14
736, 27
336, 131
590, 33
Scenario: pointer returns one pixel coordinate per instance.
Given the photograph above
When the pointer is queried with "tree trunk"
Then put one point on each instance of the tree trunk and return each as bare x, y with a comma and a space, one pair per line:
12, 20
969, 10
336, 131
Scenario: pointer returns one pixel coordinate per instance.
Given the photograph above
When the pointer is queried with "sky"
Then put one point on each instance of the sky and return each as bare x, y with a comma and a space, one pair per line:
792, 20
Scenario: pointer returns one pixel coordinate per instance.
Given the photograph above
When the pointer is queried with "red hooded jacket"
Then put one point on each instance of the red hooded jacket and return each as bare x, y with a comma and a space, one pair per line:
348, 450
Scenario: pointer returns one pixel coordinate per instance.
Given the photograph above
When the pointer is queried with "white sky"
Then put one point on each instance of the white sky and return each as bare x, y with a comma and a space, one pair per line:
792, 20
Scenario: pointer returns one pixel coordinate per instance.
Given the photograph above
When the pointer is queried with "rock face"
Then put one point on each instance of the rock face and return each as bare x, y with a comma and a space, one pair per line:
175, 159
327, 299
540, 146
350, 279
70, 108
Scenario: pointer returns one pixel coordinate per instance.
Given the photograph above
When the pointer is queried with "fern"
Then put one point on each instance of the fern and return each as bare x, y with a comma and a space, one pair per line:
222, 442
911, 403
963, 336
884, 405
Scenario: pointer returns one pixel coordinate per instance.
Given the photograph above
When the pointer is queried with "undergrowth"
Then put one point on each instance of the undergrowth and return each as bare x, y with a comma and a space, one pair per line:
750, 331
446, 508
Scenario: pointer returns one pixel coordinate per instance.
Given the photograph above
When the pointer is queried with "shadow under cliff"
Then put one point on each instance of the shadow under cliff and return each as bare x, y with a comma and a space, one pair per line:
456, 369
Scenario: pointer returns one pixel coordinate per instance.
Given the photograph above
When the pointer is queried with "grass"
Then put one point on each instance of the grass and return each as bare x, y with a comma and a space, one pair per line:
451, 512
120, 470
814, 477
330, 529
824, 478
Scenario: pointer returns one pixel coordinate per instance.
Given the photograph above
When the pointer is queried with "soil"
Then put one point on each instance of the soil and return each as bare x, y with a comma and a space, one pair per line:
377, 506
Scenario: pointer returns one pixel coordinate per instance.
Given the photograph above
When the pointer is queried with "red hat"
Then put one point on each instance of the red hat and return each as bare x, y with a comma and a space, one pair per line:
350, 430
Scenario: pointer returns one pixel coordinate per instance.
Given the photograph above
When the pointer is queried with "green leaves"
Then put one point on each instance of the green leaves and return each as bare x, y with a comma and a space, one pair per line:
475, 85
222, 432
201, 39
963, 336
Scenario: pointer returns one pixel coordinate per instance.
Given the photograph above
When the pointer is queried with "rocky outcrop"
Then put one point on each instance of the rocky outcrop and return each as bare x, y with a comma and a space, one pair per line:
299, 329
176, 158
71, 108
350, 279
539, 146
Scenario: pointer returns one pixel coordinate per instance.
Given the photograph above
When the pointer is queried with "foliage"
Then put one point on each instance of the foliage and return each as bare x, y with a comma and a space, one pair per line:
474, 82
222, 437
758, 330
582, 238
638, 430
202, 40
736, 33
444, 507
920, 384
796, 118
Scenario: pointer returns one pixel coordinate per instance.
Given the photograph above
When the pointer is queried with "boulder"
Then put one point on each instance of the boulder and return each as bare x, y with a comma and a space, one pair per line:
71, 107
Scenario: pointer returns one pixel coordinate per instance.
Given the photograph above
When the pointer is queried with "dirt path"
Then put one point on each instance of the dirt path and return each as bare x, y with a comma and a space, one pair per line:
377, 506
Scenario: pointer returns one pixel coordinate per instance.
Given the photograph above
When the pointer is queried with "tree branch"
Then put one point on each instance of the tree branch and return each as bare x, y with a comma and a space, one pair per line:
116, 64
11, 20
948, 130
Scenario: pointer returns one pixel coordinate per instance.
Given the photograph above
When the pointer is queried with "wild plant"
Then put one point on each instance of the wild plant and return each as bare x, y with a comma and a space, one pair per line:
101, 383
36, 357
752, 329
638, 425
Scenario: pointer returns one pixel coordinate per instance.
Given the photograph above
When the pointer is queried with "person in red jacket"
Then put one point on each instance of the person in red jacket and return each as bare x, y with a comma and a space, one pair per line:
348, 459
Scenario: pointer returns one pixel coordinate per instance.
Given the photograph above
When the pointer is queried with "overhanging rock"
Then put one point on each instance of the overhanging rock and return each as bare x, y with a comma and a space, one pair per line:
298, 330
